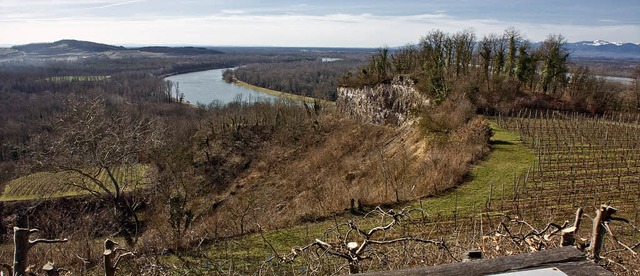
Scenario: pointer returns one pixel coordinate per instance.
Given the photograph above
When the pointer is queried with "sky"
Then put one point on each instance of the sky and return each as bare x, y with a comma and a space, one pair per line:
320, 23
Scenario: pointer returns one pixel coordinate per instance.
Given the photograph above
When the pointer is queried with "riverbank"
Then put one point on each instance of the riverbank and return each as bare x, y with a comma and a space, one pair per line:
284, 95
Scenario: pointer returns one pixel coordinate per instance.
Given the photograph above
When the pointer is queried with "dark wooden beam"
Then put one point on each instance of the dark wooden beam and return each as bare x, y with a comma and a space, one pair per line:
569, 260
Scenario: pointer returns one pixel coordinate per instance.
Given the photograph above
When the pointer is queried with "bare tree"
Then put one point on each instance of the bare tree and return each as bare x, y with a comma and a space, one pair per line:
102, 153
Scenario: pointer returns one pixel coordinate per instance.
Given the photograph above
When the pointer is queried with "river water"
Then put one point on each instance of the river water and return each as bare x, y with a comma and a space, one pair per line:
207, 86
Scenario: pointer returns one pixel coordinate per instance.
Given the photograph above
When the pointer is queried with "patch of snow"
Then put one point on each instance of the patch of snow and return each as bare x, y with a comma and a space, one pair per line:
602, 43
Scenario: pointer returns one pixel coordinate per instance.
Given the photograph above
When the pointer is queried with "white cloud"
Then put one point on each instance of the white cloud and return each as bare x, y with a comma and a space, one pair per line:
232, 12
234, 27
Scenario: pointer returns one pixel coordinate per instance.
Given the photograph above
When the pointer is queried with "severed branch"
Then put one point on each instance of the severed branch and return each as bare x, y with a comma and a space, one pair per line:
606, 226
536, 238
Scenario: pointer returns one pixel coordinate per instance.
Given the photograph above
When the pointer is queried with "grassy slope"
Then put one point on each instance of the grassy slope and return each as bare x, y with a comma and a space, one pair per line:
509, 157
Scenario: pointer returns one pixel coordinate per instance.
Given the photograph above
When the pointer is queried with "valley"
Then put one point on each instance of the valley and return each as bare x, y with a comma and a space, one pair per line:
395, 158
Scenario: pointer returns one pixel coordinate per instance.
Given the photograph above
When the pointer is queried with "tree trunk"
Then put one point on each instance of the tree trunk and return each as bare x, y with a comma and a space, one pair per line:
21, 246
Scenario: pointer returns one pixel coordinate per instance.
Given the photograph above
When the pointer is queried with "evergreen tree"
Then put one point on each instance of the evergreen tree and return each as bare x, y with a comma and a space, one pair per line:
554, 57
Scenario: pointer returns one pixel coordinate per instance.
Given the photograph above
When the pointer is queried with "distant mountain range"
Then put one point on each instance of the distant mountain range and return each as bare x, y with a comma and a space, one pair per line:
604, 49
74, 49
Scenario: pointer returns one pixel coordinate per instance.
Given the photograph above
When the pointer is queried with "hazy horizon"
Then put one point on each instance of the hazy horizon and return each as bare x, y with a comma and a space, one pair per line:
287, 23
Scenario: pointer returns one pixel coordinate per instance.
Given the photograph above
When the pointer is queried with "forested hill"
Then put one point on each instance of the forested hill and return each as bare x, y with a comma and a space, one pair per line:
66, 46
70, 48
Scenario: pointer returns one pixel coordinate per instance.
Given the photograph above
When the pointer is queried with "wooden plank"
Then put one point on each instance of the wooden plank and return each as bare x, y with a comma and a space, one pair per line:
583, 268
568, 258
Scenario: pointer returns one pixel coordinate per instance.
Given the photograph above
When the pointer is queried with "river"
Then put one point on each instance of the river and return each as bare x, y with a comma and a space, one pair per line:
207, 86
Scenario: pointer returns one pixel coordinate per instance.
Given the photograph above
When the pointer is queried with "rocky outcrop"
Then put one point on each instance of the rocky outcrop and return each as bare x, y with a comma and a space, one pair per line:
390, 104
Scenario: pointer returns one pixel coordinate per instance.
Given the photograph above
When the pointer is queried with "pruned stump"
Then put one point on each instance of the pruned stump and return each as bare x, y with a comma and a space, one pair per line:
111, 258
22, 245
603, 215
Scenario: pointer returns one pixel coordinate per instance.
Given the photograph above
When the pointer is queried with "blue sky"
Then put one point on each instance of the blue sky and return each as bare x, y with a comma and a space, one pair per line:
371, 23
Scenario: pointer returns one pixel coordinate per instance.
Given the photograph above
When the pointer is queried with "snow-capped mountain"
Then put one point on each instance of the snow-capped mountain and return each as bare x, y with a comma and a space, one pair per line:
599, 43
604, 49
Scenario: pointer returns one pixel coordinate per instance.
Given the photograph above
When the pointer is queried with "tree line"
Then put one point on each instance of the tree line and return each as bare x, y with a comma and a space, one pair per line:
311, 78
495, 71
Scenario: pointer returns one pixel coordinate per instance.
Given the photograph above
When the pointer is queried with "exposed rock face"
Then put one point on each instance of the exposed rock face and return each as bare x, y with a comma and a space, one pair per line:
383, 104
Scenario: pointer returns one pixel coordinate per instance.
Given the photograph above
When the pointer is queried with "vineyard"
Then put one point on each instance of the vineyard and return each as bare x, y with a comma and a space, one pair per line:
521, 205
580, 161
584, 162
49, 184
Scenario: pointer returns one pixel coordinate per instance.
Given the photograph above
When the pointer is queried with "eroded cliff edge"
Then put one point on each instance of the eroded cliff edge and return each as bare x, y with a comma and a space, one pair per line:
391, 103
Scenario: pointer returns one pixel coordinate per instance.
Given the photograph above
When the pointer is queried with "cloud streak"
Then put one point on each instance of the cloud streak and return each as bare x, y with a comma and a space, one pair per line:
117, 4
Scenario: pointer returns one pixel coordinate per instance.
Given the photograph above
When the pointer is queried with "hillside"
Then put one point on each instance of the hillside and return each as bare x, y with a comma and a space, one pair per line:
65, 47
69, 49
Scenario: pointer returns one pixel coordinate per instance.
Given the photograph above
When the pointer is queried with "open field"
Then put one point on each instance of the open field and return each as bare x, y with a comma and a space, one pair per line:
48, 184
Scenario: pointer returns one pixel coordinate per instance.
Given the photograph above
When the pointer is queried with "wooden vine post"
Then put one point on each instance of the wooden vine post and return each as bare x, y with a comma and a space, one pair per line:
23, 245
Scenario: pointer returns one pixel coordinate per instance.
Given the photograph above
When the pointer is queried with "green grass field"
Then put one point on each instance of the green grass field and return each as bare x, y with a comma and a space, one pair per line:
508, 159
48, 184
